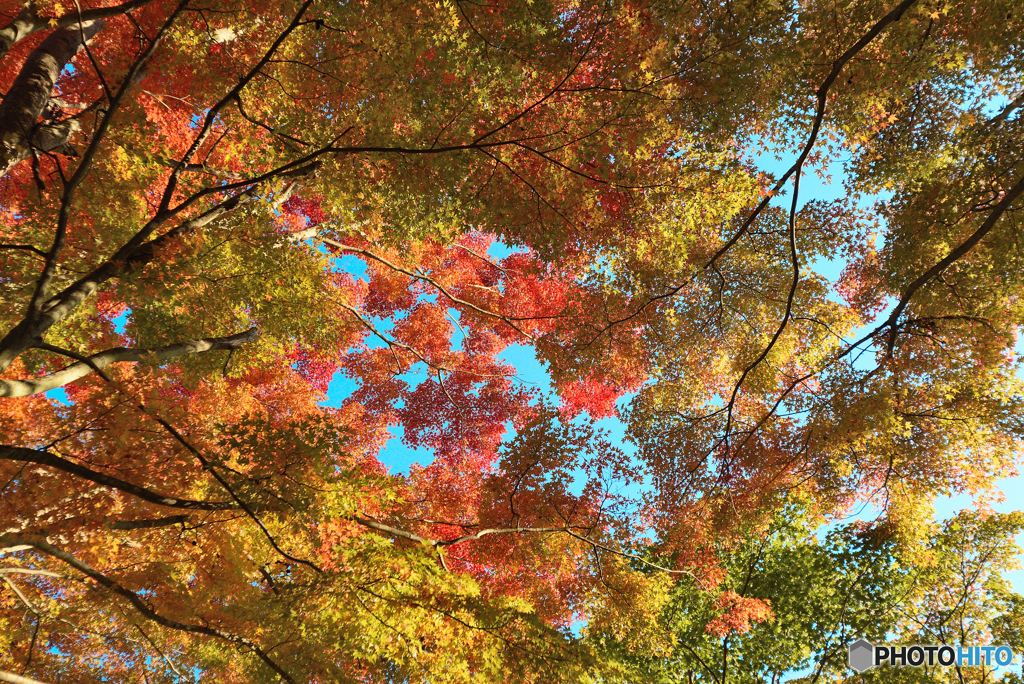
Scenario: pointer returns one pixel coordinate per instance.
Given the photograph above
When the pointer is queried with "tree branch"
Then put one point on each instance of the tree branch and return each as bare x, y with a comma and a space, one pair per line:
12, 678
566, 529
31, 571
25, 388
28, 21
510, 321
966, 246
135, 253
891, 322
148, 524
819, 116
24, 455
171, 430
229, 97
64, 215
198, 168
29, 331
143, 607
26, 248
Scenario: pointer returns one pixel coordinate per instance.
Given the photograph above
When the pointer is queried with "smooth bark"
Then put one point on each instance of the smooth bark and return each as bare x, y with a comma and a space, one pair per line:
25, 388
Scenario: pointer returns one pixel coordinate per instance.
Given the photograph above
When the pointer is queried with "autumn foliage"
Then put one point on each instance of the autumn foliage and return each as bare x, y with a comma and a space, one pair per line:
245, 244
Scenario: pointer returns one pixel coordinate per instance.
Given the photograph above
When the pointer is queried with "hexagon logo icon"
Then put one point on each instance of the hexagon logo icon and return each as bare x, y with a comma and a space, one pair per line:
862, 655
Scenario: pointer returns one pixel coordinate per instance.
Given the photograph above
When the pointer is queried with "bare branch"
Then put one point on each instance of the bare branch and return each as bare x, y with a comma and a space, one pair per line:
892, 321
21, 597
999, 118
795, 264
395, 344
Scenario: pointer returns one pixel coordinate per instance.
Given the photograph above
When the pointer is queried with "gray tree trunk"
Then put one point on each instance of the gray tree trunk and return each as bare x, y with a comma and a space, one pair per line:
27, 97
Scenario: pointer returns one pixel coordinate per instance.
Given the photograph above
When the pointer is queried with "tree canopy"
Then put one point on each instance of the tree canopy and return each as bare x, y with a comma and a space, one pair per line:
211, 211
790, 604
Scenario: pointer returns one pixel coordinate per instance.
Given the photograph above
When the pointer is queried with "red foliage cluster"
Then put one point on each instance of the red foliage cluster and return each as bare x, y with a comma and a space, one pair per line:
738, 614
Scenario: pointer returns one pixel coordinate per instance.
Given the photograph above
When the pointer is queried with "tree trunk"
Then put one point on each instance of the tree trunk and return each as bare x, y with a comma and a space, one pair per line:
27, 97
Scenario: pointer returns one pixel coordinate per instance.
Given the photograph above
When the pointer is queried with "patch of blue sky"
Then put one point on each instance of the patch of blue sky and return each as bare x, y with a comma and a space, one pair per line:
530, 370
340, 388
121, 321
350, 264
499, 250
58, 395
399, 456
